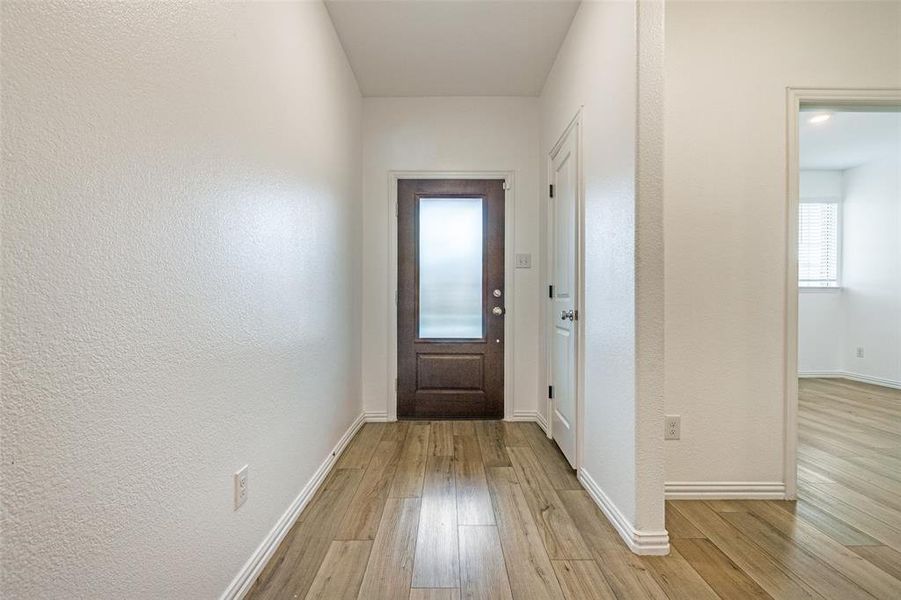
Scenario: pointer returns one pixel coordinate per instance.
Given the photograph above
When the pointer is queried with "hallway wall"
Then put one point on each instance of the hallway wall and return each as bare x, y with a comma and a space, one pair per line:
728, 65
449, 134
871, 269
600, 70
181, 286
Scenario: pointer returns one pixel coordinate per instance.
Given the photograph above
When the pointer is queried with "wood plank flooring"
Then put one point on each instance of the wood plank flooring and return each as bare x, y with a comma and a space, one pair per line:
465, 510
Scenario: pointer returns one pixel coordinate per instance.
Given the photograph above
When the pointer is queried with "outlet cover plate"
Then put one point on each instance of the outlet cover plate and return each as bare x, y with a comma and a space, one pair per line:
673, 425
241, 487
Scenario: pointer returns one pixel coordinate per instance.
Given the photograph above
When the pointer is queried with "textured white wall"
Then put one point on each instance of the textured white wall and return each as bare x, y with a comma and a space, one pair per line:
821, 321
180, 286
600, 55
821, 331
866, 312
727, 66
820, 185
871, 270
449, 134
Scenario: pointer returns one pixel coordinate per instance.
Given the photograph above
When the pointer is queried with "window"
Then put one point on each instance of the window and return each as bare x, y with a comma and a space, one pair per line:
450, 268
818, 241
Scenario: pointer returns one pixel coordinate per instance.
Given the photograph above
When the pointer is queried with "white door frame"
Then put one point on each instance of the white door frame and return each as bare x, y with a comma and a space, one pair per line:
509, 271
575, 125
812, 97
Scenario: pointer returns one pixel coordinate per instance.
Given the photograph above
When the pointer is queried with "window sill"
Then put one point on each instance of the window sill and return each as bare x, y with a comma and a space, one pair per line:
820, 290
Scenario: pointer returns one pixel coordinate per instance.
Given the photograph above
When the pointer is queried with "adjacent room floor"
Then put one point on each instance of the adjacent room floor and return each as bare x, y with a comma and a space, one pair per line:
485, 509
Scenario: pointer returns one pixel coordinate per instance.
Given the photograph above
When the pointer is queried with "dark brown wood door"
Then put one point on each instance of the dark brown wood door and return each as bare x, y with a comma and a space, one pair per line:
450, 299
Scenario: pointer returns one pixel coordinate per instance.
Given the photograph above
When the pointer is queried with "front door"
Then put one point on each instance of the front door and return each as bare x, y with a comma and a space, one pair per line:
563, 294
450, 298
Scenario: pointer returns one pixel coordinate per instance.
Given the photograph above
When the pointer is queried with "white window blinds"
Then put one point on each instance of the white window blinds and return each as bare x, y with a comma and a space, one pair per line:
818, 245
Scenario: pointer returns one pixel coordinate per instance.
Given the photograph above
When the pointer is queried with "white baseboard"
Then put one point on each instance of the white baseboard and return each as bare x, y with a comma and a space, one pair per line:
542, 422
819, 374
520, 416
523, 416
254, 565
724, 490
375, 416
529, 416
640, 542
891, 383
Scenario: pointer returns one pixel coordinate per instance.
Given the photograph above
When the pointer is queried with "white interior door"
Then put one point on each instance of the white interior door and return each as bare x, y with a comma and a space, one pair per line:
563, 294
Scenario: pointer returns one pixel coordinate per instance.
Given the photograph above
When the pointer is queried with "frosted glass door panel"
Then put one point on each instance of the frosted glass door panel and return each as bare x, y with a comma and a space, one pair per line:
450, 268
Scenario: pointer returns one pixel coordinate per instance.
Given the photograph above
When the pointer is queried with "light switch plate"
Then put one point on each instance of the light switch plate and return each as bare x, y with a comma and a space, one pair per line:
523, 261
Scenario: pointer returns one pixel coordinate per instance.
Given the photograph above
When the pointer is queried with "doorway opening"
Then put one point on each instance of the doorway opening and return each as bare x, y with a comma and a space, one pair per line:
451, 306
843, 326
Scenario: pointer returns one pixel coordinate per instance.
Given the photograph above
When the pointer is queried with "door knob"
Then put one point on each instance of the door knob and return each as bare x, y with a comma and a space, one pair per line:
497, 310
567, 314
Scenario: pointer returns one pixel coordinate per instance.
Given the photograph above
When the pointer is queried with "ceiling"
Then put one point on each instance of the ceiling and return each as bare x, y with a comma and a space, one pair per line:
451, 47
848, 139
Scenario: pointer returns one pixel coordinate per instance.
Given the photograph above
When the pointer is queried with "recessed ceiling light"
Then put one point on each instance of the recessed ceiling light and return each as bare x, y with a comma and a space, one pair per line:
821, 118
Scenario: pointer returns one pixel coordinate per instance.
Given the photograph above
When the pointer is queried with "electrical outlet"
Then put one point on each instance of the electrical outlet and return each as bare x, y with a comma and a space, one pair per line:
673, 427
859, 352
240, 487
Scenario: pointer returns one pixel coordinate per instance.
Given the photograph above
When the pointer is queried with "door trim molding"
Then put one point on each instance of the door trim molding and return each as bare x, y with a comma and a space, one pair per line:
509, 275
575, 125
795, 97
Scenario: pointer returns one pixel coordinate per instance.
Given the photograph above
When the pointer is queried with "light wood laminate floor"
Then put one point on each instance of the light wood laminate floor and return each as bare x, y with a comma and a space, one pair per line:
451, 510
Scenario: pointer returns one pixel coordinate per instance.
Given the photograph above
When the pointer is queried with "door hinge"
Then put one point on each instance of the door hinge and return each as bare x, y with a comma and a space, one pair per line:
550, 392
551, 190
550, 291
575, 315
395, 297
396, 210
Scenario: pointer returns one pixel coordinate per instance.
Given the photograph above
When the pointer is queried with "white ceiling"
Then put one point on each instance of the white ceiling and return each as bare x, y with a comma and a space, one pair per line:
848, 139
451, 47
